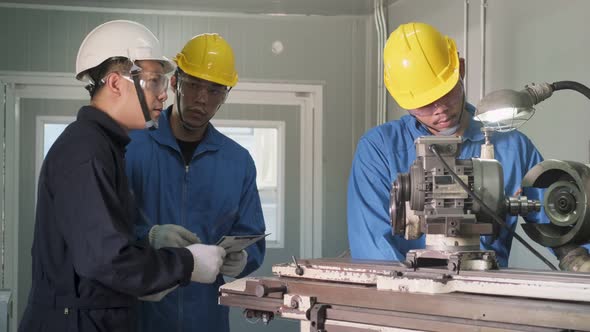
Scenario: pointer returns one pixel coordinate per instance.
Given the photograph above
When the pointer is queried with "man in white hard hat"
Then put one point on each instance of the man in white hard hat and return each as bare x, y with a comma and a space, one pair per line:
88, 269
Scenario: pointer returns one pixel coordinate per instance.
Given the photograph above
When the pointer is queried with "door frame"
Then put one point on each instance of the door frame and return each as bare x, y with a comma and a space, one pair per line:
42, 85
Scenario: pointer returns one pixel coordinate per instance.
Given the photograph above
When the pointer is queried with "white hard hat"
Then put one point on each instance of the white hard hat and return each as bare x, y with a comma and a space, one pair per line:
119, 38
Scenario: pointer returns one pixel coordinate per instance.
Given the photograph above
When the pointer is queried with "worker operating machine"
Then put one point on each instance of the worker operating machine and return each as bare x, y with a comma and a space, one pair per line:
451, 284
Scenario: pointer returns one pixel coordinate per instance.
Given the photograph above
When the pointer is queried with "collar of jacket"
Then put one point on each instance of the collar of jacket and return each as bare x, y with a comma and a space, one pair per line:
110, 126
472, 133
212, 140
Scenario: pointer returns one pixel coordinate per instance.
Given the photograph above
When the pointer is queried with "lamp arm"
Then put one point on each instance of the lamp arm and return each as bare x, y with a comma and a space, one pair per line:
571, 85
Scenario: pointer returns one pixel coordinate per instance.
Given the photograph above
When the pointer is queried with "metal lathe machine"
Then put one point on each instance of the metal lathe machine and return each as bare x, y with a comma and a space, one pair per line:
451, 285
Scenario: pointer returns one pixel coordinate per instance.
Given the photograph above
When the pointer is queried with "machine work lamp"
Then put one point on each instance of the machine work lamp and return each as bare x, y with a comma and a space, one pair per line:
506, 110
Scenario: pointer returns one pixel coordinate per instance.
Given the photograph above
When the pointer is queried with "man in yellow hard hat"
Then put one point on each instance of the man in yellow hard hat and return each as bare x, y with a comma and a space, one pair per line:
423, 73
88, 267
196, 185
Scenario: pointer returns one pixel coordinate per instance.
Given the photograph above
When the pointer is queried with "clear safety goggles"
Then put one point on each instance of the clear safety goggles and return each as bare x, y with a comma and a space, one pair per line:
153, 82
450, 100
156, 83
192, 86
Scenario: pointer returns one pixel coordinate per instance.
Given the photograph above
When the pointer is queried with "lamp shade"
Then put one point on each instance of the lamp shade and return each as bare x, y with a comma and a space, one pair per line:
505, 110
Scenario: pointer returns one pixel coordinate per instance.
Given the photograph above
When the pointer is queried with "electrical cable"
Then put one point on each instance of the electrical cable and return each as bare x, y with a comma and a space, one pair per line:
487, 210
571, 85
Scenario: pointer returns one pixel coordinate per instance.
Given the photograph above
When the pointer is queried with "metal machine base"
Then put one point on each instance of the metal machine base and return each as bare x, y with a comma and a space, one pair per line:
342, 295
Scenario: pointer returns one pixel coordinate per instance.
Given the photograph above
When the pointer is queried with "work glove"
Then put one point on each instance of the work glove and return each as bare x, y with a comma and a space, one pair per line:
156, 297
208, 259
573, 258
412, 224
170, 235
234, 263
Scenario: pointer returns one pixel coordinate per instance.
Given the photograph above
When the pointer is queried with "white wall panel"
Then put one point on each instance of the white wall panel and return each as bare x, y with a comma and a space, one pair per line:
328, 50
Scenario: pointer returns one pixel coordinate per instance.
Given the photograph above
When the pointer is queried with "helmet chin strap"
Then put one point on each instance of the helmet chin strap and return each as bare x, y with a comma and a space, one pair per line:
149, 123
184, 124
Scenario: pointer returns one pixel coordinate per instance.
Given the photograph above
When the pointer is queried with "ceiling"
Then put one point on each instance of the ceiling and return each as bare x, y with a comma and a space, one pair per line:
294, 7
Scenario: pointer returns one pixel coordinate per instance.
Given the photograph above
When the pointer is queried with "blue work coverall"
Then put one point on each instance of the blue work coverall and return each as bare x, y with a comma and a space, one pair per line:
389, 149
215, 195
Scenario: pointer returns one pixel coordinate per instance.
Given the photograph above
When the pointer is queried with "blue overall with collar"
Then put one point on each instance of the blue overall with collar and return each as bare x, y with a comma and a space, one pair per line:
214, 195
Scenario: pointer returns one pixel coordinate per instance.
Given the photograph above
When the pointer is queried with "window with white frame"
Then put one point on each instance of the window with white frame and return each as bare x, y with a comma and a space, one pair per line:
48, 130
265, 142
263, 139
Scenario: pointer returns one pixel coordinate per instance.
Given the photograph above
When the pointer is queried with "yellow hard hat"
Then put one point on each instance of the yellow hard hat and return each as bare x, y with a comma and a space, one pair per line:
208, 56
421, 65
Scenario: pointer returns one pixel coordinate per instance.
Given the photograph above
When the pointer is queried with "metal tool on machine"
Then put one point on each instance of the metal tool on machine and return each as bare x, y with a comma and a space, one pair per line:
453, 217
452, 221
566, 202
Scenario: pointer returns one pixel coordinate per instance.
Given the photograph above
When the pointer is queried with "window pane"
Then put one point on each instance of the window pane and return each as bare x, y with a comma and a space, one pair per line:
51, 131
262, 143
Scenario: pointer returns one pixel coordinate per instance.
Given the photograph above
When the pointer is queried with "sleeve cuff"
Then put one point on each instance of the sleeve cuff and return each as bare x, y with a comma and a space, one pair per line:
188, 264
186, 261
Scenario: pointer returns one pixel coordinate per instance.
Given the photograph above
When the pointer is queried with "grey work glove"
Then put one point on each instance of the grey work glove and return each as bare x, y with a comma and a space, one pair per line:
170, 235
234, 263
156, 297
207, 261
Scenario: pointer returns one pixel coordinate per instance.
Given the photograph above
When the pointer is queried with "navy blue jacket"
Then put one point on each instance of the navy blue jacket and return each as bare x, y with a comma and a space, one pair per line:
88, 269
